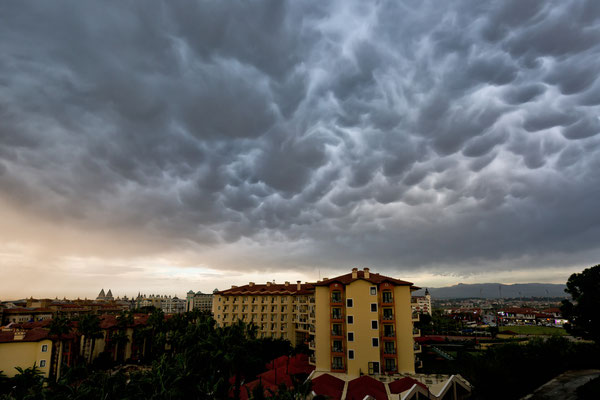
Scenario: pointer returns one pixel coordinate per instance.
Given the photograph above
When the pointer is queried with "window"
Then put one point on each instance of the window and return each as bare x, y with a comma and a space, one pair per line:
349, 303
337, 363
373, 324
337, 346
375, 342
351, 336
374, 307
373, 368
350, 354
336, 296
387, 297
390, 364
44, 348
350, 319
373, 290
42, 363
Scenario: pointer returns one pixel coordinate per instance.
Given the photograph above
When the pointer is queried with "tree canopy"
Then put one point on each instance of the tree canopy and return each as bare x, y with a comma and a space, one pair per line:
582, 310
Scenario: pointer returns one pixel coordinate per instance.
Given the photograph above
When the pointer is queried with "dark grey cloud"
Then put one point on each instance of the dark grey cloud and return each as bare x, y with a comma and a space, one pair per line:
398, 134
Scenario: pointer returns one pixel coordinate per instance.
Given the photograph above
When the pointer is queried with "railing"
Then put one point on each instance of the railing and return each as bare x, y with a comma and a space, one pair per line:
416, 332
389, 351
311, 345
387, 299
336, 333
416, 316
312, 360
337, 315
336, 299
389, 334
417, 348
311, 329
388, 317
337, 349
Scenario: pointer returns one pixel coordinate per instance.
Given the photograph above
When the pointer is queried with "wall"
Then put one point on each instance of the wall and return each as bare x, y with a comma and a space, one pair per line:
404, 330
364, 352
322, 329
24, 355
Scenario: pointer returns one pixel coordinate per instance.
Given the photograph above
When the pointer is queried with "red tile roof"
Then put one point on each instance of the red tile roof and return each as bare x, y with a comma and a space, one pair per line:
365, 385
373, 278
32, 335
403, 384
270, 289
328, 385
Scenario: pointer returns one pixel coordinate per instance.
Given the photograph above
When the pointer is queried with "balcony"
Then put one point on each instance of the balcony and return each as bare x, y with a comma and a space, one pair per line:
389, 334
387, 298
311, 329
388, 316
337, 349
416, 332
311, 345
312, 360
389, 351
337, 315
413, 300
336, 299
337, 332
417, 348
416, 317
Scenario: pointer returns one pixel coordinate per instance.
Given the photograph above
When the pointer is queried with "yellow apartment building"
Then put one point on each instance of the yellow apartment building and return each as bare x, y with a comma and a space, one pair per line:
20, 348
356, 323
278, 310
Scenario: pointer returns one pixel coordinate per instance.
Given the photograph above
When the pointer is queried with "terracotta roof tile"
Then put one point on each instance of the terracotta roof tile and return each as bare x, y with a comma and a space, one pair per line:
328, 385
359, 388
373, 278
271, 289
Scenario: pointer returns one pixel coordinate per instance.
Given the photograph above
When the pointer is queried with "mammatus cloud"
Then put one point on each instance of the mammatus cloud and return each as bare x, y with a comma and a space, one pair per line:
270, 135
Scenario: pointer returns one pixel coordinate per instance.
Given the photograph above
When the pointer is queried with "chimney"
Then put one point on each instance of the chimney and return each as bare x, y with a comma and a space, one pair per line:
287, 283
324, 279
233, 286
354, 273
366, 273
268, 283
299, 285
19, 334
251, 284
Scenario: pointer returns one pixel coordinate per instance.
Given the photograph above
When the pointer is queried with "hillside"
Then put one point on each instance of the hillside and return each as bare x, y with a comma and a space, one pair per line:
495, 290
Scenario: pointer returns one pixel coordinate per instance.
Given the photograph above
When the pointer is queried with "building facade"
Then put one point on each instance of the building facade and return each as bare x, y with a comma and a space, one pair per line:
358, 323
198, 301
168, 304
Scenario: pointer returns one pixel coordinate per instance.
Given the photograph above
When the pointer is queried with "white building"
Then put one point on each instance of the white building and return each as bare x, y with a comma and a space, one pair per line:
421, 304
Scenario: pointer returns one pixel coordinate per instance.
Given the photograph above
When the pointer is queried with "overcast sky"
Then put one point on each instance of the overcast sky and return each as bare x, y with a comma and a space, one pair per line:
167, 146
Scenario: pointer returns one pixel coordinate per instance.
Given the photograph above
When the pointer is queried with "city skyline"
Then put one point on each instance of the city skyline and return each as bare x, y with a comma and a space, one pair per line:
198, 146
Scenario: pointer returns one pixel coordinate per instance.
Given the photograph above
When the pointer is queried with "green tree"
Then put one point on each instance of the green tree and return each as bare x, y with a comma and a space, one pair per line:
89, 327
582, 309
59, 327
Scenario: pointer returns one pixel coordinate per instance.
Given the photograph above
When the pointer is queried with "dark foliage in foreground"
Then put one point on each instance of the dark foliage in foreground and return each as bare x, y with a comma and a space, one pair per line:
510, 371
201, 360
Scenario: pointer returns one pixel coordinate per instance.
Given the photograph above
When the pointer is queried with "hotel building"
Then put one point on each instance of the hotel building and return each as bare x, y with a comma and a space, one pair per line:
356, 323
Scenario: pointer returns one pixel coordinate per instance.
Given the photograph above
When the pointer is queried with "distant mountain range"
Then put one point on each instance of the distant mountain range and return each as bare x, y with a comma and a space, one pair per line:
496, 290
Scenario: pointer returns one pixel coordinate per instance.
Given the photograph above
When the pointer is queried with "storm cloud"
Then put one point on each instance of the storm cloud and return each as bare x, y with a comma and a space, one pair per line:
402, 135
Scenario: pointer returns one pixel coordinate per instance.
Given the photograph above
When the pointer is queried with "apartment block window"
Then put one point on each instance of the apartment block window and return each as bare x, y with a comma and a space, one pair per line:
349, 302
373, 290
390, 364
373, 368
373, 324
374, 307
350, 319
337, 363
44, 348
351, 336
375, 342
387, 296
336, 313
350, 354
337, 346
42, 363
336, 296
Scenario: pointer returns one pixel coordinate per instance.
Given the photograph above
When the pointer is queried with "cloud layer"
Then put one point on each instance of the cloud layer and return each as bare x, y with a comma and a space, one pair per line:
276, 134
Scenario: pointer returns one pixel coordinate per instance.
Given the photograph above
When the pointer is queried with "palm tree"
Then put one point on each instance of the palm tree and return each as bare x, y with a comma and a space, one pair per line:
89, 327
59, 327
27, 383
120, 338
